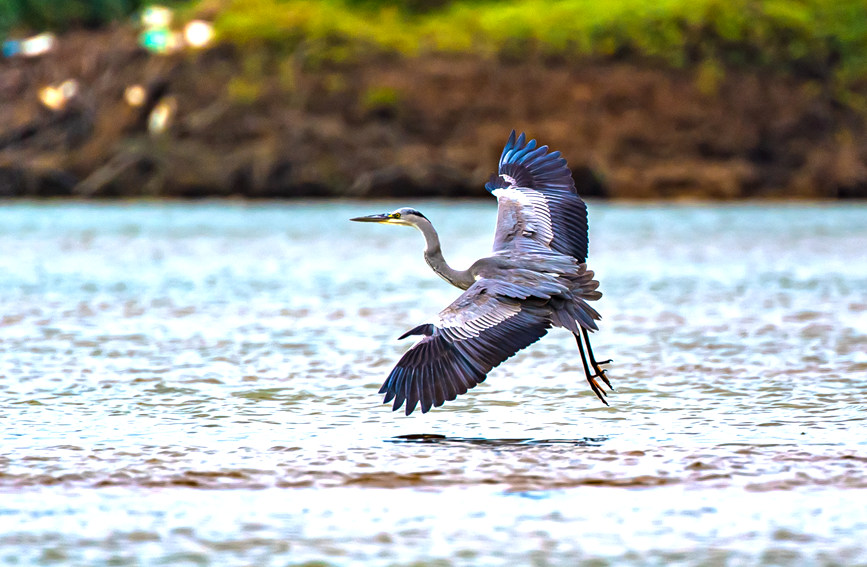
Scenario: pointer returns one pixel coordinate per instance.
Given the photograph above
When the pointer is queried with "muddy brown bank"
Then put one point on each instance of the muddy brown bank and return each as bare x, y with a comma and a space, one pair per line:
260, 124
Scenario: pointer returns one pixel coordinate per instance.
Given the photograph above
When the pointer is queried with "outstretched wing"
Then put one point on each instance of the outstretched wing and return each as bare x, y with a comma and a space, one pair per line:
477, 332
538, 204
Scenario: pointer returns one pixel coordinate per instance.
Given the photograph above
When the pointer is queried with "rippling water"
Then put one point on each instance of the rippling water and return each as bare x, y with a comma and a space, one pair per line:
196, 384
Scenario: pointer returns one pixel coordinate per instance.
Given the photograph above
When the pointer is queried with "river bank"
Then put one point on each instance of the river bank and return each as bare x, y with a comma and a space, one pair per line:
260, 122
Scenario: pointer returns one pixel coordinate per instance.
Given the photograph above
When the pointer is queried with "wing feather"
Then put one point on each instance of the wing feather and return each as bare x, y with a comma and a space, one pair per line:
474, 334
538, 203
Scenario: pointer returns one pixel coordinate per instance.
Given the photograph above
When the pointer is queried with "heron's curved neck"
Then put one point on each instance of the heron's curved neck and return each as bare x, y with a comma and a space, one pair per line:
433, 255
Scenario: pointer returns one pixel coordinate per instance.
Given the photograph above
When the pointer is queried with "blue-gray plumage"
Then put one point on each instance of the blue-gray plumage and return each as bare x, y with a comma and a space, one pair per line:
535, 279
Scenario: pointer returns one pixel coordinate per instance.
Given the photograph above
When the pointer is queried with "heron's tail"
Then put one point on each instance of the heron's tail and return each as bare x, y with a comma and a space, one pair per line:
572, 311
584, 286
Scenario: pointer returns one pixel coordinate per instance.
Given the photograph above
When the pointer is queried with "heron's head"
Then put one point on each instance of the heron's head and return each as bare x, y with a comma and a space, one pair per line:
404, 216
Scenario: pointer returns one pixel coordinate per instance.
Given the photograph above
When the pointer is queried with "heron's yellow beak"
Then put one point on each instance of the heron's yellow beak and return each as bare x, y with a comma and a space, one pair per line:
382, 218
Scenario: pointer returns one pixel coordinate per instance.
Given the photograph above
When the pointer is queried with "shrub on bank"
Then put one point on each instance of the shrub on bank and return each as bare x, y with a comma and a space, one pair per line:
825, 39
822, 39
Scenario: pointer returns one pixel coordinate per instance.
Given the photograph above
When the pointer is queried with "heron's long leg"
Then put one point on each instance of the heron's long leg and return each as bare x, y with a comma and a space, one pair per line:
597, 366
591, 379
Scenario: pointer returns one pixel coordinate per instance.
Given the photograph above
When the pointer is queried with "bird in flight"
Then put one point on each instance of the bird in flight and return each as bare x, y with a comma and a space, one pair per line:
536, 278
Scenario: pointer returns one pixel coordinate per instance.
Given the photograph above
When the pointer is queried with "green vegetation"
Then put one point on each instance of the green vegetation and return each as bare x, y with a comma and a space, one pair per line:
244, 91
380, 97
825, 39
39, 15
58, 15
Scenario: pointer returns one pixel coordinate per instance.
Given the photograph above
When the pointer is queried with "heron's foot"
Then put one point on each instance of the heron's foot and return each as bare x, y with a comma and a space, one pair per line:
600, 372
597, 389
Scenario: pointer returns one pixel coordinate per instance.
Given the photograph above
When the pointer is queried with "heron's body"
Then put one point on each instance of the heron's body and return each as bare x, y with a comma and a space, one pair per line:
536, 278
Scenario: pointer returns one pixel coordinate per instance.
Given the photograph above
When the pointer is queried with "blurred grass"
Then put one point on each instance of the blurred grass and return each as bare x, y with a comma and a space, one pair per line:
824, 39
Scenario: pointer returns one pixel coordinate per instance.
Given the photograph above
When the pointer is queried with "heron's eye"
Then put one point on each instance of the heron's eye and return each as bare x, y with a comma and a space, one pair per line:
395, 215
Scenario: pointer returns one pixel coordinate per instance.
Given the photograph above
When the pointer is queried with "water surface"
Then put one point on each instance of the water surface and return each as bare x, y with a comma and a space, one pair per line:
196, 384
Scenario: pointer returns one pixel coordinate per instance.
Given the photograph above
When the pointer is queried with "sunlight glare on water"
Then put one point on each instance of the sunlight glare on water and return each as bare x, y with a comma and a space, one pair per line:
152, 352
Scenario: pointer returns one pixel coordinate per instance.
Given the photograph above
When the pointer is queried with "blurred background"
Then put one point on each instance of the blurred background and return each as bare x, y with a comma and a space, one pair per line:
195, 383
672, 99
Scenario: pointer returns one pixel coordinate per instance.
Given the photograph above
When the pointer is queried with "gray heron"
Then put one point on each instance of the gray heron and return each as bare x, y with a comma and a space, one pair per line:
536, 278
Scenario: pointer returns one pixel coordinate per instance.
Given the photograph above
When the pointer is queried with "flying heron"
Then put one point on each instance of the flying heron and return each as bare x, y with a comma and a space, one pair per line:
536, 278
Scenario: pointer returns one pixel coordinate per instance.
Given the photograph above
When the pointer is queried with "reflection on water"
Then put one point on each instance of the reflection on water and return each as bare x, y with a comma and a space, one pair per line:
445, 441
150, 351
